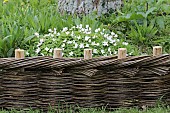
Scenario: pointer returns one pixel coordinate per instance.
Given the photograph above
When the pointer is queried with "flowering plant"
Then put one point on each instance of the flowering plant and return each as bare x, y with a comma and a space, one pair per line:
74, 40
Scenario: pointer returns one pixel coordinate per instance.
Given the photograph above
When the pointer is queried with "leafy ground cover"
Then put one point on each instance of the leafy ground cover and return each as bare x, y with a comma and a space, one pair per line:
138, 26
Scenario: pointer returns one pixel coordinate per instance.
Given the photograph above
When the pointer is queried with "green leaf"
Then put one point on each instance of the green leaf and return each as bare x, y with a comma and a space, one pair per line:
160, 22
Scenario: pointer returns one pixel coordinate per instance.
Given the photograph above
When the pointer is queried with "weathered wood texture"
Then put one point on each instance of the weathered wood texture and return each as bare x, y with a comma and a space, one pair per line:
88, 6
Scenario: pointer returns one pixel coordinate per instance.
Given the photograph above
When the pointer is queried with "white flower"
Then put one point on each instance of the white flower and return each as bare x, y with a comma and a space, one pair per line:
112, 33
125, 43
76, 45
102, 51
27, 53
38, 50
42, 54
58, 34
63, 45
88, 32
65, 40
118, 40
109, 38
73, 27
79, 37
116, 36
96, 30
115, 52
51, 50
112, 41
94, 37
67, 33
101, 33
95, 51
89, 29
46, 48
50, 30
69, 42
55, 32
87, 45
53, 39
105, 43
65, 29
55, 29
81, 45
105, 35
71, 53
46, 35
97, 44
87, 26
39, 44
109, 49
52, 35
41, 40
36, 34
72, 33
115, 44
87, 38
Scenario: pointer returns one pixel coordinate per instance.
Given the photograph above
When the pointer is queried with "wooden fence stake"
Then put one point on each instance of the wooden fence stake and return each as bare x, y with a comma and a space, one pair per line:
157, 50
19, 53
87, 53
122, 53
57, 53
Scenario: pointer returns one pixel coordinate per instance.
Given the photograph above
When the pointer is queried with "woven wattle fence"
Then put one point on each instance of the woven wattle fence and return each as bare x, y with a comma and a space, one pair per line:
38, 82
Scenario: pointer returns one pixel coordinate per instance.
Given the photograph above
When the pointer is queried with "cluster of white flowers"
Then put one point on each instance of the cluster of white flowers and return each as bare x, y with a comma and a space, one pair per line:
72, 41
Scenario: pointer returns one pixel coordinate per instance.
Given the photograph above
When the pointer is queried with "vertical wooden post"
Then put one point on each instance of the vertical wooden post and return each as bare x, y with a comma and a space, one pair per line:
19, 53
87, 53
57, 53
122, 53
157, 50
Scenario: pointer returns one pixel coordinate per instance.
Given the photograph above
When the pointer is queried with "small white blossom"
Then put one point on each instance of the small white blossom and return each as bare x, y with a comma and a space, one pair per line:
112, 41
55, 29
116, 36
105, 43
71, 53
41, 40
38, 50
79, 37
42, 54
105, 35
65, 29
109, 49
27, 53
125, 43
87, 38
46, 48
102, 51
51, 50
95, 51
39, 44
112, 33
52, 35
64, 40
115, 44
87, 45
50, 30
87, 26
115, 52
81, 45
36, 34
58, 34
63, 45
53, 39
69, 42
67, 33
76, 45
